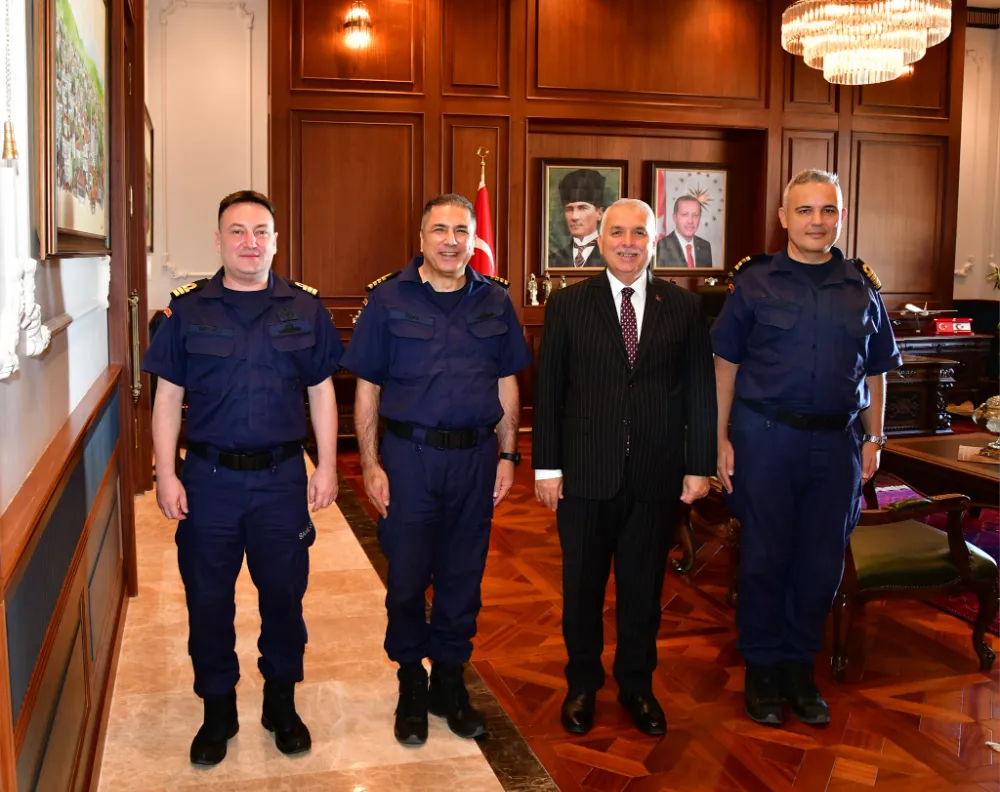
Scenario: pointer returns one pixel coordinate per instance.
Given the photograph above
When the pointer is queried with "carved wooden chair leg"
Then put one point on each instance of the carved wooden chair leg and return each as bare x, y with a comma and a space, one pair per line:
988, 606
843, 615
685, 535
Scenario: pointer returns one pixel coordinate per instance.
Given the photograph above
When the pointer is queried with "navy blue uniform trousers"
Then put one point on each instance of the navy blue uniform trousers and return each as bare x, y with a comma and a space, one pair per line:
264, 514
437, 532
797, 495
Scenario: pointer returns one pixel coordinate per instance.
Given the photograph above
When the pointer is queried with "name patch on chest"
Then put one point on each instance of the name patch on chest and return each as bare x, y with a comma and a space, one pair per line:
291, 327
411, 317
209, 330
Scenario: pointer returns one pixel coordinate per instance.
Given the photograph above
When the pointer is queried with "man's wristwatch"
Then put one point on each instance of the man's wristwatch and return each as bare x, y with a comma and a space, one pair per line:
878, 440
515, 457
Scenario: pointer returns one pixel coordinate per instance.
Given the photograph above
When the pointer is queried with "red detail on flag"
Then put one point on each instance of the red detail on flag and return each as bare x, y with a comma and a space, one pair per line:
483, 258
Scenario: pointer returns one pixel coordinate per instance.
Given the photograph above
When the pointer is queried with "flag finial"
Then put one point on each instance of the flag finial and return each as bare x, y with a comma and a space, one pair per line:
481, 152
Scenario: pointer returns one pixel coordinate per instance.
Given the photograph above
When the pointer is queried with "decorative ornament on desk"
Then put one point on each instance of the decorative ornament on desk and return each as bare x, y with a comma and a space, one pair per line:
533, 289
987, 415
563, 283
547, 286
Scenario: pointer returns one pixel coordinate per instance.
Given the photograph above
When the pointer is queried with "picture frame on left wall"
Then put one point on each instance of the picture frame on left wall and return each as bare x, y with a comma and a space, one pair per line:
71, 133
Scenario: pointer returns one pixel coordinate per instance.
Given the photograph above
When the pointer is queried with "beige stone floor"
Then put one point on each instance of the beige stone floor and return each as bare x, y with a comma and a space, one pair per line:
347, 699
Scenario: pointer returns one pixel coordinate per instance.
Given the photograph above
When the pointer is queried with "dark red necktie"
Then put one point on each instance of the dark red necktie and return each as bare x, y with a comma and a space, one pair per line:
630, 329
690, 258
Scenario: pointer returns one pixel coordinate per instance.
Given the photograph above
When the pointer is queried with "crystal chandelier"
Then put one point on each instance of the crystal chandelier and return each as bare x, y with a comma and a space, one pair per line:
860, 42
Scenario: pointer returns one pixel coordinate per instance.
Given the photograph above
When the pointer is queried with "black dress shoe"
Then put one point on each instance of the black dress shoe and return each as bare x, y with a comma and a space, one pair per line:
448, 698
799, 689
411, 711
645, 711
279, 716
220, 725
762, 694
577, 715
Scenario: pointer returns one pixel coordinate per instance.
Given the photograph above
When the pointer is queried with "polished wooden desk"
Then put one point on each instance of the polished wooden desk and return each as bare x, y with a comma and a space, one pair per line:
930, 464
917, 394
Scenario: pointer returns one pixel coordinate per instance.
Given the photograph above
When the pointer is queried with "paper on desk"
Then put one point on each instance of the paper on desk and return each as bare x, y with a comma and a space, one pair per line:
971, 454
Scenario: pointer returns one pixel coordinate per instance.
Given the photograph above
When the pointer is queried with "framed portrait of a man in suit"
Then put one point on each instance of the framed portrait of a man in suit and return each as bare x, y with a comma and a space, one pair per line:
690, 204
574, 195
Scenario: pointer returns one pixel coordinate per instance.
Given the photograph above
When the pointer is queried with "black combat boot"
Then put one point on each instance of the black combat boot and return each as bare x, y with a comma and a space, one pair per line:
762, 691
799, 689
221, 724
279, 716
411, 711
449, 699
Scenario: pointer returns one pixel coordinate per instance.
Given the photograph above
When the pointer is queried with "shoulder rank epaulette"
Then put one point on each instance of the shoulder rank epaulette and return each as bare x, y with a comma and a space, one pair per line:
497, 279
749, 260
869, 273
383, 279
307, 289
187, 288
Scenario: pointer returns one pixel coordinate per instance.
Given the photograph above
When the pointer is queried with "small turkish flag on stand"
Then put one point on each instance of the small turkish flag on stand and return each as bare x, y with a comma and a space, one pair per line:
483, 258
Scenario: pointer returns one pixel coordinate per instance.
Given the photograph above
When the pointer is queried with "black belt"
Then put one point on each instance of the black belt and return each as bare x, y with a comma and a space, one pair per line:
808, 422
441, 439
238, 460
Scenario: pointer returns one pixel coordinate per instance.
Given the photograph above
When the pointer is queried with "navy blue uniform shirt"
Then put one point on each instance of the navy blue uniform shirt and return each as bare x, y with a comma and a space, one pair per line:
245, 380
438, 369
803, 346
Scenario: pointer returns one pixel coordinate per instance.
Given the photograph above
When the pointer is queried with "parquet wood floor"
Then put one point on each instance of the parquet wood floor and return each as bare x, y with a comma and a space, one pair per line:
914, 714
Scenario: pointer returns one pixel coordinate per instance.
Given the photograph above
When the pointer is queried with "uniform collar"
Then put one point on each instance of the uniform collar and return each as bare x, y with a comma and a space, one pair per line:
214, 289
845, 272
411, 273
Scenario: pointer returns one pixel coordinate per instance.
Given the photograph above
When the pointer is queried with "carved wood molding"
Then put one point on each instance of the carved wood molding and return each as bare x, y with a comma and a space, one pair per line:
243, 15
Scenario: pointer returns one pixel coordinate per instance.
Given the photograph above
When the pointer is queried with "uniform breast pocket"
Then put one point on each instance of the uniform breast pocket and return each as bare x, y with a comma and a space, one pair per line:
210, 352
293, 342
490, 334
772, 331
411, 337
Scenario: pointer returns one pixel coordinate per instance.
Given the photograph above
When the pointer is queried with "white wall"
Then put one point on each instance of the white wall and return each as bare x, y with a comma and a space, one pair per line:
36, 399
206, 90
979, 178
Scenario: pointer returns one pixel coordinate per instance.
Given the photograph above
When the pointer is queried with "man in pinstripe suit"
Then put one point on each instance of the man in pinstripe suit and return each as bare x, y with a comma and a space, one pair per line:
624, 429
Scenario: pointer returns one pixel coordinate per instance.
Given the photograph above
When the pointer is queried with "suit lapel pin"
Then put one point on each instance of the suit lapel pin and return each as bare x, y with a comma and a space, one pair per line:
658, 298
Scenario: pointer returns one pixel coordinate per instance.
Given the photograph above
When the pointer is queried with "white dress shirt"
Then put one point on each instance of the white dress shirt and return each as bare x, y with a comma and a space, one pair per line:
639, 305
586, 251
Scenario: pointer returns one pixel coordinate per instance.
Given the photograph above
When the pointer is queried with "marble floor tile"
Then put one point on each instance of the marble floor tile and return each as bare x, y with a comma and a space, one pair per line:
347, 700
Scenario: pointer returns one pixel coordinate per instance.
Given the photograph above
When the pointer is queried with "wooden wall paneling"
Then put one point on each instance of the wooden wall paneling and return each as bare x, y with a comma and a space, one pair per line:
897, 200
924, 93
463, 135
322, 61
597, 48
804, 149
805, 88
8, 750
358, 184
476, 47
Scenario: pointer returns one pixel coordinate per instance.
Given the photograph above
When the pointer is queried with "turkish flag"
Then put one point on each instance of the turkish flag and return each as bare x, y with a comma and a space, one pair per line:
483, 258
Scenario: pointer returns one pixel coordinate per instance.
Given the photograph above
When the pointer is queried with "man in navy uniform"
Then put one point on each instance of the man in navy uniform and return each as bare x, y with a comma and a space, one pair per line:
802, 348
435, 350
242, 347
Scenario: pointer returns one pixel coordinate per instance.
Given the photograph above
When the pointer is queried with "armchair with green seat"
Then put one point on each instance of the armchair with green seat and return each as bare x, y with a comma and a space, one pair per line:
892, 555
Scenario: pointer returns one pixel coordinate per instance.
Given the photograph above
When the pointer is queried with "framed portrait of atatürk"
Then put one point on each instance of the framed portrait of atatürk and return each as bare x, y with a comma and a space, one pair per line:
690, 202
574, 196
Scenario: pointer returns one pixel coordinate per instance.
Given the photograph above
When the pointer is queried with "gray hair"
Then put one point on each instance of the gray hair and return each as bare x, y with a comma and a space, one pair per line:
635, 203
449, 199
813, 176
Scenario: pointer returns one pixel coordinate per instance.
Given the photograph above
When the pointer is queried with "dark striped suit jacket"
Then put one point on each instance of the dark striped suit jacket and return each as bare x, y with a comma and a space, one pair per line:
586, 398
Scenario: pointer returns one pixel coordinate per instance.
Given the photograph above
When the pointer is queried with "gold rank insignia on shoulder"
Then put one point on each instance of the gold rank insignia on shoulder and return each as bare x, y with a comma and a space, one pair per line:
497, 279
748, 260
308, 289
187, 288
383, 279
869, 273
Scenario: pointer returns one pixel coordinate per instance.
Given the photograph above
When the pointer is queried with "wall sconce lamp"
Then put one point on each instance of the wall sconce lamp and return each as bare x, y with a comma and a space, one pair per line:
358, 26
